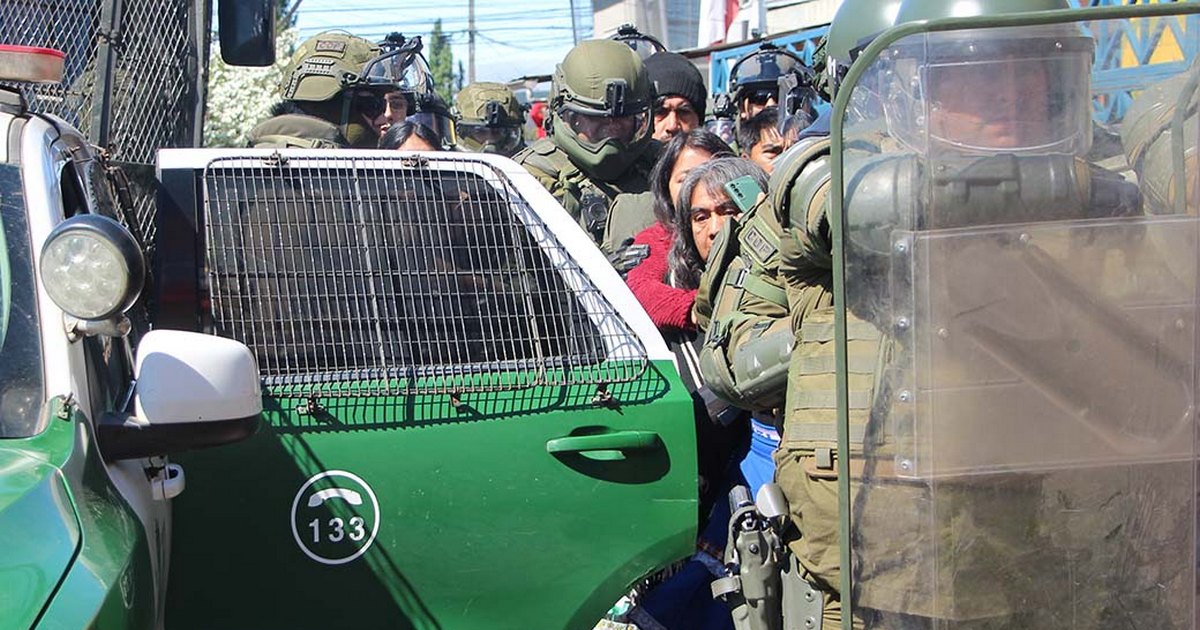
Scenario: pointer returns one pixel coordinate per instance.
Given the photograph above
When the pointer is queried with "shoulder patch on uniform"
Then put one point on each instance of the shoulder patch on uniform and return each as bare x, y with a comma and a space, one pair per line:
331, 45
543, 146
758, 244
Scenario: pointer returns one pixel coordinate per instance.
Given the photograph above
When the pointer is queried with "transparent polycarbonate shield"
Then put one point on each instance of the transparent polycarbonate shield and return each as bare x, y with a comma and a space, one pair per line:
1029, 459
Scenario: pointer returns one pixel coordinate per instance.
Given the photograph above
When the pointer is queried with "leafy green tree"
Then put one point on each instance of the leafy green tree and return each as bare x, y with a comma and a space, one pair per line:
239, 98
441, 62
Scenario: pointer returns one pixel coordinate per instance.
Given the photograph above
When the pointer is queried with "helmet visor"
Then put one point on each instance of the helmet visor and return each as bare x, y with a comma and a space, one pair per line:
724, 128
990, 93
441, 125
401, 69
592, 131
369, 103
502, 139
797, 104
1009, 104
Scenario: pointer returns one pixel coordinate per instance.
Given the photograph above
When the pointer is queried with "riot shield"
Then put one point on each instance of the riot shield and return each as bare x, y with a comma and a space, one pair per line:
1029, 458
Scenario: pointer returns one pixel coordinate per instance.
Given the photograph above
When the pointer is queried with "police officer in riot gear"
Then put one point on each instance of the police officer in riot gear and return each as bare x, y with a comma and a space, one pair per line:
1000, 421
754, 79
328, 100
752, 313
411, 97
599, 142
489, 119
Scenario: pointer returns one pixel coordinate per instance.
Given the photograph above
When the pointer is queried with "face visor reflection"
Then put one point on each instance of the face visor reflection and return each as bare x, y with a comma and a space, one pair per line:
594, 130
1000, 105
502, 138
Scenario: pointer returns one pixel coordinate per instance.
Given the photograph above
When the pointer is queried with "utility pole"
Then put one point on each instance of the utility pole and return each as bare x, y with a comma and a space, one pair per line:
470, 41
574, 30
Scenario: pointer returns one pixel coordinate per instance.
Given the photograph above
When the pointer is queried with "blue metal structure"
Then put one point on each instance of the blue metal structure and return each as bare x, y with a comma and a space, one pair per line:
1115, 74
1124, 57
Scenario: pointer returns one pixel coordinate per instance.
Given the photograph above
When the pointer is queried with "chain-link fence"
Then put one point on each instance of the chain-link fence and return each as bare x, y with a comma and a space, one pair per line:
133, 79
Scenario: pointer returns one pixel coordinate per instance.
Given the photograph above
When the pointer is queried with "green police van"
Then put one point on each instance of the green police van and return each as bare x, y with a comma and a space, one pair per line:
437, 405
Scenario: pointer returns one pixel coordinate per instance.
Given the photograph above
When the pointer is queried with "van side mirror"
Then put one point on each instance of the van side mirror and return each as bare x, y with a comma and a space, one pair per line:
192, 391
247, 32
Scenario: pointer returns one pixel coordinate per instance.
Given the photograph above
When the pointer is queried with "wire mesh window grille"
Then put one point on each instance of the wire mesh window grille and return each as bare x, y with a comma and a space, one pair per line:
383, 276
157, 49
66, 26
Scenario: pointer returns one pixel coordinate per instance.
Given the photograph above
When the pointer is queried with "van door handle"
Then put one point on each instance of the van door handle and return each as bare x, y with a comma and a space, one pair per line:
615, 441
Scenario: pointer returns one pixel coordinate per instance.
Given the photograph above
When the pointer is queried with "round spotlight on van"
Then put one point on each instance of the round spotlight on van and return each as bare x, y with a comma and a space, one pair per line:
92, 267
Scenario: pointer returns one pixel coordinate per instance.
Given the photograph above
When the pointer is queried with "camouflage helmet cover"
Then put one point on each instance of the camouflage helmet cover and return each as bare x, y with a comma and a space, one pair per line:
473, 104
326, 64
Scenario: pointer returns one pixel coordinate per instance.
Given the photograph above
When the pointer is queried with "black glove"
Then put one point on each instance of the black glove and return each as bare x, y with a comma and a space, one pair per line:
627, 256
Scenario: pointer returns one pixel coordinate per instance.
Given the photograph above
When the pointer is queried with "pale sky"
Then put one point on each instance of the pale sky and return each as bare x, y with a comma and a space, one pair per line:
513, 38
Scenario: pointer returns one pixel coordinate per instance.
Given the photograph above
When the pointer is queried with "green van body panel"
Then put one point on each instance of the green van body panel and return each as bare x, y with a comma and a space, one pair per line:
75, 555
477, 521
110, 583
37, 524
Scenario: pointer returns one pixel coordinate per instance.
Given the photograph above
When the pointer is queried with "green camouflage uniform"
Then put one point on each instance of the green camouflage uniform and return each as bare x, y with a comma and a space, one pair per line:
604, 83
297, 131
766, 304
587, 199
629, 215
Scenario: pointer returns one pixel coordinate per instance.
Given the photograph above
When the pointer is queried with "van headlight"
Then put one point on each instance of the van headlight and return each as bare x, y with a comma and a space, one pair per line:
92, 267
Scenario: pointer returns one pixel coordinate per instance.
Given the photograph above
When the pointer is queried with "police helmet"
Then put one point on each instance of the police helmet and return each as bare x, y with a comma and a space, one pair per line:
402, 71
327, 77
489, 119
756, 75
601, 99
642, 44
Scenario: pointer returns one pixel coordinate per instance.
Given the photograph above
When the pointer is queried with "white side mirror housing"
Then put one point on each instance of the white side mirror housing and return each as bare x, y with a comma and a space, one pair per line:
193, 391
185, 377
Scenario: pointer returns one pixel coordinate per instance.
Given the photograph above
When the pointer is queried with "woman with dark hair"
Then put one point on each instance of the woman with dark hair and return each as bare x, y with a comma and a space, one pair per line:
410, 136
669, 307
700, 210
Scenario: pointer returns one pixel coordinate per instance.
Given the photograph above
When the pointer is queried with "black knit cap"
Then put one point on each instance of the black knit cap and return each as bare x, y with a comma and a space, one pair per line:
674, 75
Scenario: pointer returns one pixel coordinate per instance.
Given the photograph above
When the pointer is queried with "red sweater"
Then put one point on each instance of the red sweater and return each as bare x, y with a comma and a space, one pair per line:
668, 307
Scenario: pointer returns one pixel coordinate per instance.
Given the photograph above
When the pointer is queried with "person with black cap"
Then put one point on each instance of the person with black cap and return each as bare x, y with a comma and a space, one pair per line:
682, 96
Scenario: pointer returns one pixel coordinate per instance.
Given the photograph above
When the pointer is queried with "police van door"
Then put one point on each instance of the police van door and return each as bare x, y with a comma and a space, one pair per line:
470, 421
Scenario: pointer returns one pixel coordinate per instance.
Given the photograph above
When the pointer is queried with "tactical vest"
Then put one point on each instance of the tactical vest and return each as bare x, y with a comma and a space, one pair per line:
811, 419
748, 336
629, 214
743, 305
585, 198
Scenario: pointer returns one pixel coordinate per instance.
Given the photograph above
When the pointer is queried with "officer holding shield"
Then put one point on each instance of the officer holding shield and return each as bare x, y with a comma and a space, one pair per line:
752, 311
1004, 429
